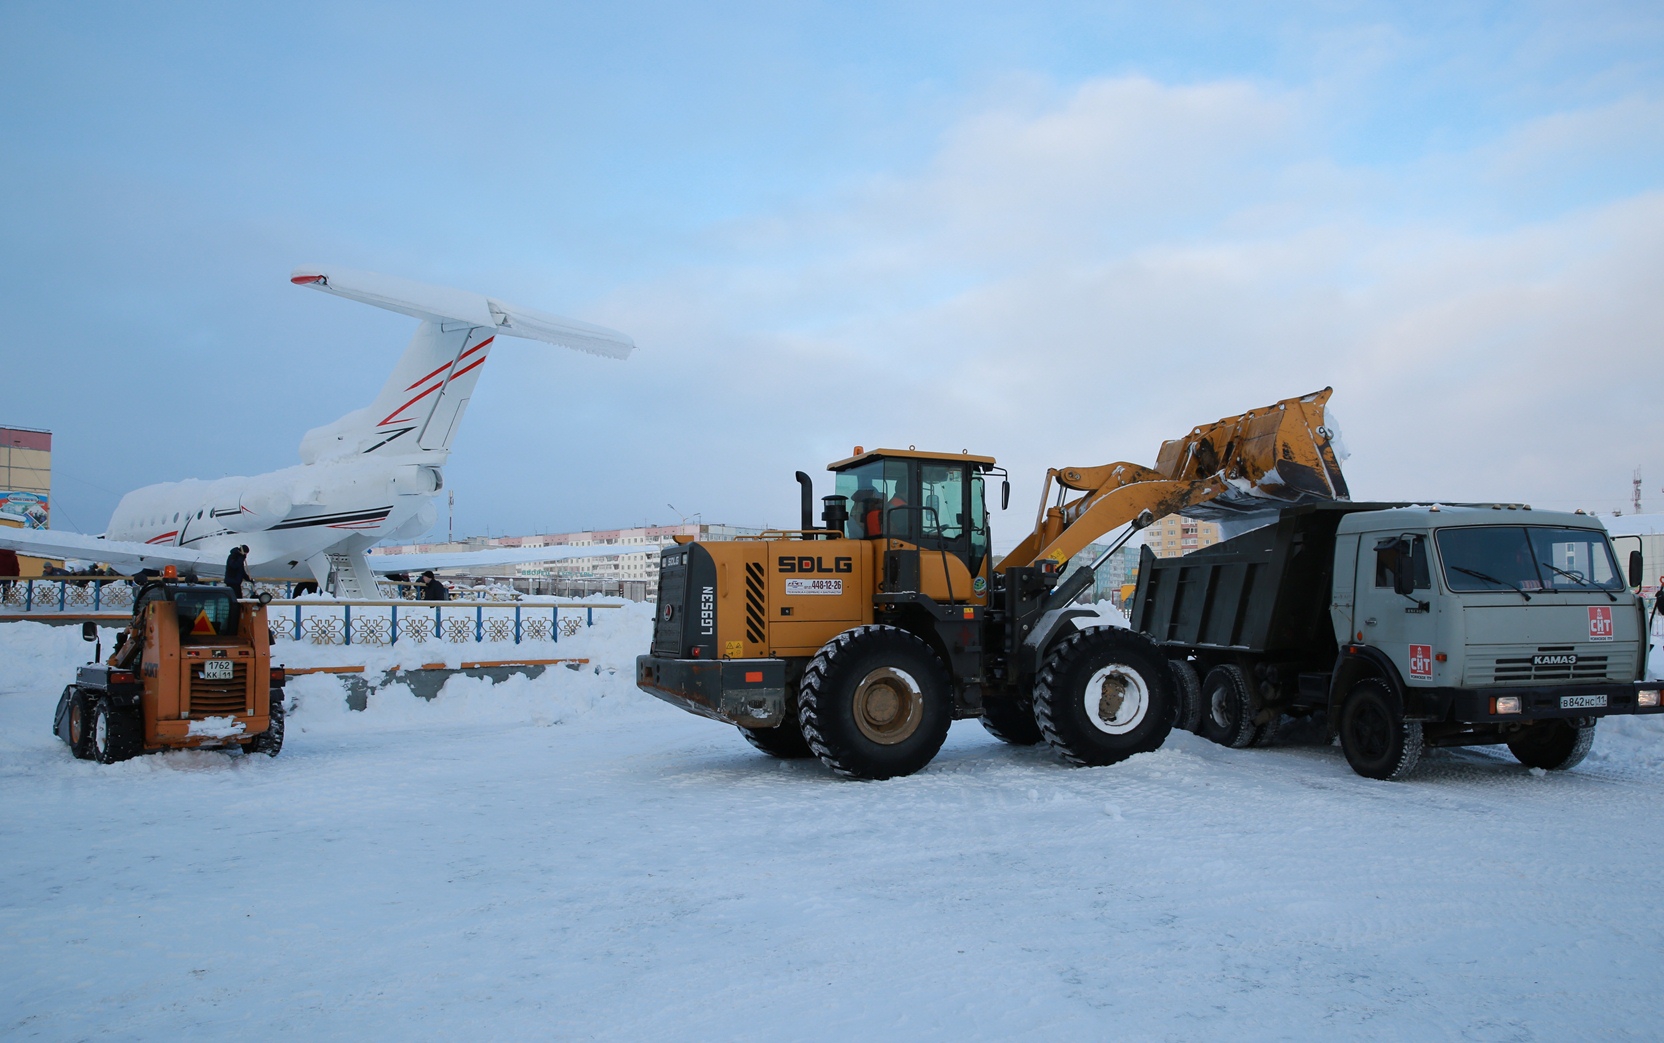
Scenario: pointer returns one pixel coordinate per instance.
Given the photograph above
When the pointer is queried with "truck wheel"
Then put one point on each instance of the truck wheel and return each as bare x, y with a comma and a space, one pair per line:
1379, 743
112, 733
874, 703
1553, 745
1010, 719
80, 723
1227, 710
1103, 695
785, 740
270, 741
1187, 696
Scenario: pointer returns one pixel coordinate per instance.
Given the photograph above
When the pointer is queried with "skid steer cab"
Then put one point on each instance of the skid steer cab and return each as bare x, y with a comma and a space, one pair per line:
193, 669
861, 640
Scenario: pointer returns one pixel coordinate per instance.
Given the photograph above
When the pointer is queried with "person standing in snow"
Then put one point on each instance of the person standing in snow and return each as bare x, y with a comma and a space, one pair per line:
9, 569
432, 589
236, 569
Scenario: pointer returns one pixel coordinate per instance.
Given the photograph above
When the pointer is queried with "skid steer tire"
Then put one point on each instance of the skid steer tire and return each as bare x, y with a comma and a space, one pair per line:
1103, 695
785, 740
270, 741
1378, 742
79, 723
1010, 719
875, 703
1556, 745
1227, 710
1187, 696
114, 732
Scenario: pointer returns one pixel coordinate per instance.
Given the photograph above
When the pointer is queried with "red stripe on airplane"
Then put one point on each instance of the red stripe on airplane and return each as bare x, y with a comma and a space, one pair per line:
391, 416
447, 365
163, 536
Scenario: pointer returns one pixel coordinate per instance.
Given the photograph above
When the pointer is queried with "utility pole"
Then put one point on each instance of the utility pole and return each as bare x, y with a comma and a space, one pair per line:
450, 519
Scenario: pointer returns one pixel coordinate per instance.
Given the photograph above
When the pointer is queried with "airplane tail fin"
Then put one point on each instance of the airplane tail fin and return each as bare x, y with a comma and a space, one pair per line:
421, 405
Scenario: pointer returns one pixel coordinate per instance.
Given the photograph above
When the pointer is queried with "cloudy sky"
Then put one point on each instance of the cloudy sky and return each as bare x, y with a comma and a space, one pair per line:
1053, 233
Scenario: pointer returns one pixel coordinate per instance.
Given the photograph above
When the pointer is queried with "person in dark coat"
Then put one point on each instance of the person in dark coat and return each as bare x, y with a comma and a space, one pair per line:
433, 590
236, 569
9, 568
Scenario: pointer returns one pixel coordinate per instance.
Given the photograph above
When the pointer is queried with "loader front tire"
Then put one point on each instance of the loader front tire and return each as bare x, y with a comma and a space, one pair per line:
1010, 719
270, 741
114, 731
875, 703
79, 723
1103, 695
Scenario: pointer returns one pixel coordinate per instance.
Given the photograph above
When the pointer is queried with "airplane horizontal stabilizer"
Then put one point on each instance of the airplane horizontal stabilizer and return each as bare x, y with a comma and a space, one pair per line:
447, 307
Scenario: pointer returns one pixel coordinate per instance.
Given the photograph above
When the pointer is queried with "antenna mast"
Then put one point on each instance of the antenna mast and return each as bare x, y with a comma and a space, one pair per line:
1635, 495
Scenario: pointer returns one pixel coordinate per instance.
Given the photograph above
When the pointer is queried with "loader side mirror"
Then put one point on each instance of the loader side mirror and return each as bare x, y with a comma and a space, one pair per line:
1635, 575
1005, 493
264, 597
1403, 570
89, 631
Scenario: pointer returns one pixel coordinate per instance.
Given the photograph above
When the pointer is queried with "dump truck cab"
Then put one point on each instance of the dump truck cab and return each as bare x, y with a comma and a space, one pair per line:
192, 669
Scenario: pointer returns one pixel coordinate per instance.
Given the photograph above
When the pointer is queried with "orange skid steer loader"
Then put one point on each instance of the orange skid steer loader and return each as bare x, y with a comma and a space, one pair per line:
192, 670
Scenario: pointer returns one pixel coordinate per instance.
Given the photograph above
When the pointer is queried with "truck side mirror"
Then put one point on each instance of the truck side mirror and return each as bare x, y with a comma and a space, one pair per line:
89, 631
1635, 575
1005, 493
1403, 571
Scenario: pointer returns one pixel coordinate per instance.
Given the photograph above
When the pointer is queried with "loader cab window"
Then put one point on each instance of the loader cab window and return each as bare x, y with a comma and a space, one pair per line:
979, 524
205, 614
880, 493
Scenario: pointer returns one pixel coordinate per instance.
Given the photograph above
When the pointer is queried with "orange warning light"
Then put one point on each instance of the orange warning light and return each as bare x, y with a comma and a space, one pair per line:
203, 624
170, 572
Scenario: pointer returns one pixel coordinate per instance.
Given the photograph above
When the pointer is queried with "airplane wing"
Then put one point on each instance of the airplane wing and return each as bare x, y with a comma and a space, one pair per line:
127, 557
461, 559
444, 305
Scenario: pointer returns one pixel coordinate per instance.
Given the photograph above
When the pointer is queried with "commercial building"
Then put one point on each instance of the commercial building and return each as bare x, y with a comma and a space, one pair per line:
26, 483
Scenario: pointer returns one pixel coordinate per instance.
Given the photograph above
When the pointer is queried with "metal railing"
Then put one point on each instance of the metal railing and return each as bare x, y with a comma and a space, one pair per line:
387, 622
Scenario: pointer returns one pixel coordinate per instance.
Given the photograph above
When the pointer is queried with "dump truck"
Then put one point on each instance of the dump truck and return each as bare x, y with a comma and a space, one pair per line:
1407, 626
193, 669
860, 640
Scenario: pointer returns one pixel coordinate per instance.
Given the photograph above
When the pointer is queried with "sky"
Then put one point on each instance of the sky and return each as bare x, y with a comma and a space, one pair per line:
1057, 234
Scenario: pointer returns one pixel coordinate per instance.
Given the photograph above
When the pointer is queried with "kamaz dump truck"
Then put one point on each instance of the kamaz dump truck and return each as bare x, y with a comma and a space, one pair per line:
193, 669
1408, 626
860, 640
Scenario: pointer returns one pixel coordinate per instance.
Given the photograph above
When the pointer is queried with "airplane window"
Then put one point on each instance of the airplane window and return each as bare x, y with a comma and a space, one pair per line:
175, 515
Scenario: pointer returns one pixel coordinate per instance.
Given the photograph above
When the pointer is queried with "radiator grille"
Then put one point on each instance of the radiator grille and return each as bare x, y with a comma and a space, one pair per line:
1516, 665
754, 603
219, 698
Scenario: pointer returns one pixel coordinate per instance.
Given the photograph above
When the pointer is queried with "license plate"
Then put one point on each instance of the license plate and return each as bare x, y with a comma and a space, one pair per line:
220, 670
1581, 702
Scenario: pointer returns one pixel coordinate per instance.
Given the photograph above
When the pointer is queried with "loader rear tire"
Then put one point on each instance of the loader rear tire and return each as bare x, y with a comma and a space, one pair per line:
1010, 719
114, 732
1103, 695
270, 741
1555, 745
784, 740
875, 703
80, 723
1187, 696
1227, 710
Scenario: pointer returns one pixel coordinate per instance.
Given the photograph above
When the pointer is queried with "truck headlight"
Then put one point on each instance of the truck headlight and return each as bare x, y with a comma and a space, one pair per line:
1506, 704
1646, 697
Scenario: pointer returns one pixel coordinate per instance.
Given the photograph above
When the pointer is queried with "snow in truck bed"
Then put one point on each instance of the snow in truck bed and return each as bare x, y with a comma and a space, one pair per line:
568, 858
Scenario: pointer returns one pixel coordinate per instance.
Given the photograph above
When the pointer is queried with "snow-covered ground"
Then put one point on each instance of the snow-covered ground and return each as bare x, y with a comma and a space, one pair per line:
568, 858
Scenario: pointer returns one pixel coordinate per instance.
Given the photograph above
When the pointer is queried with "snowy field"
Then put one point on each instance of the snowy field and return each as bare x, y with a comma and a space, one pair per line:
567, 858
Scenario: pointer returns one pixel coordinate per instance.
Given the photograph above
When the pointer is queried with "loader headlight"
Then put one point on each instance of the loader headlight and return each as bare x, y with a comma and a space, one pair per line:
1646, 697
1505, 704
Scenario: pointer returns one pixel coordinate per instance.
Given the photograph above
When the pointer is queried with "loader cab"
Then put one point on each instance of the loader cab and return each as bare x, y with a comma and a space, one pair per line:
935, 501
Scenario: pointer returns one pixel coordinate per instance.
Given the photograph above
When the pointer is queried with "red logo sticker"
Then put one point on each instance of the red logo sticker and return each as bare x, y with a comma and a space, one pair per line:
1600, 622
1421, 661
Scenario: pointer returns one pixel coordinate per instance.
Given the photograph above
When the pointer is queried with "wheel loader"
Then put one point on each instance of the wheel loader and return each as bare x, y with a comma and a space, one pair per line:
860, 640
193, 669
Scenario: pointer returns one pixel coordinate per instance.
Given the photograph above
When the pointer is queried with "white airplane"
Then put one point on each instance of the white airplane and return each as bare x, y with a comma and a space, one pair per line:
367, 477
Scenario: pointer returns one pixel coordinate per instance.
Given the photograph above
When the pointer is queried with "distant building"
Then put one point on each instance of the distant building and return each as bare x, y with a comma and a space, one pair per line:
625, 562
1175, 534
26, 483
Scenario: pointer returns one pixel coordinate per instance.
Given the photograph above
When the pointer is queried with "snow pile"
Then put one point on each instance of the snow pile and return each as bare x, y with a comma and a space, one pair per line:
216, 728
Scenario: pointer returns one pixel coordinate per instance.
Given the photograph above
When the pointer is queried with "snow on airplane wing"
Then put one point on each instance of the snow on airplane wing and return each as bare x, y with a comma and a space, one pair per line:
461, 559
126, 556
443, 305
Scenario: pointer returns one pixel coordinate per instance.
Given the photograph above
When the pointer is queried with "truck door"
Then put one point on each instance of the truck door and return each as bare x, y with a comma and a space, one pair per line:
1340, 606
1400, 626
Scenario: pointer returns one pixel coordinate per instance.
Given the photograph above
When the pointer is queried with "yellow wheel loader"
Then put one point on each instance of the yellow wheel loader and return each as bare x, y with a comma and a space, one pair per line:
193, 669
861, 640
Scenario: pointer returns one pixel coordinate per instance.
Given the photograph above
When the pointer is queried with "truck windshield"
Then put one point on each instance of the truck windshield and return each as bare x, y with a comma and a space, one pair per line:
1526, 558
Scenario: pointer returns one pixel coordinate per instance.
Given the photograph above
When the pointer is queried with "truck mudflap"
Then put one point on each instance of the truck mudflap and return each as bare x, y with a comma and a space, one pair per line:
1472, 706
748, 692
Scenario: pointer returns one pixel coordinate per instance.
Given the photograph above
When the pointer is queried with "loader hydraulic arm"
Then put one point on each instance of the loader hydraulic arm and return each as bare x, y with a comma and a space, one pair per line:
1262, 460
